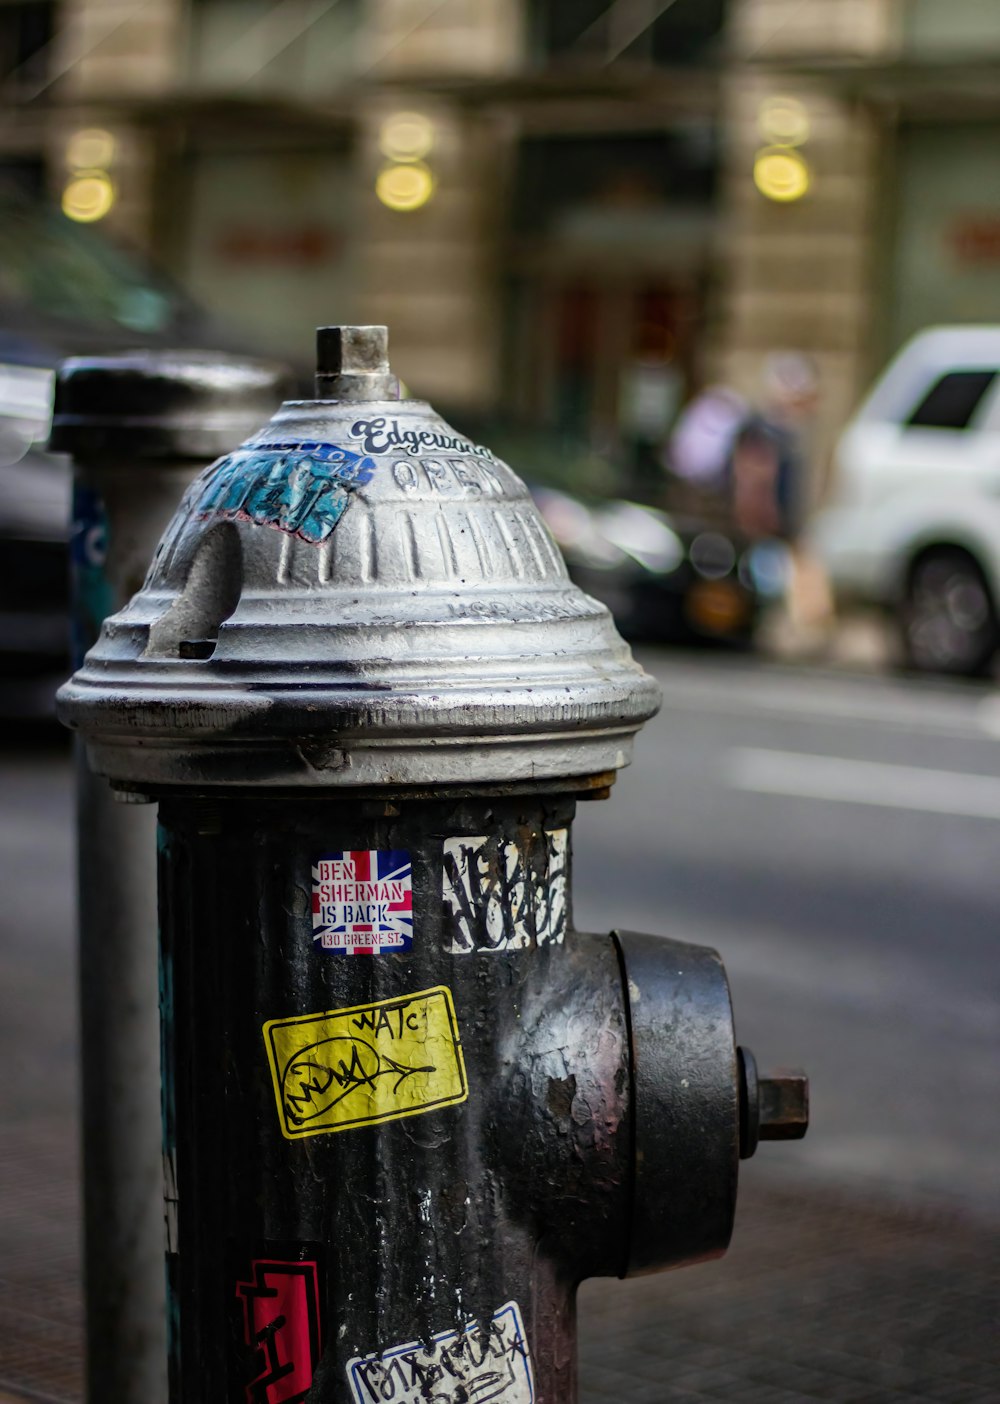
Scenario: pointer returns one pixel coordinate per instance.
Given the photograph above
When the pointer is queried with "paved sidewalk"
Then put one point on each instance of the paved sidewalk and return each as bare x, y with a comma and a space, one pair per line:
862, 641
821, 1297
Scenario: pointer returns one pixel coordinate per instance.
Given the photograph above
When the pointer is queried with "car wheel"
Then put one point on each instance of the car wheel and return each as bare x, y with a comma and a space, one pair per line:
948, 620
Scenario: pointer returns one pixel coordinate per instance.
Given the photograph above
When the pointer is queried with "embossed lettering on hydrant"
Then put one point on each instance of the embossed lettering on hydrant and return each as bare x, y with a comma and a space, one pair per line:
503, 894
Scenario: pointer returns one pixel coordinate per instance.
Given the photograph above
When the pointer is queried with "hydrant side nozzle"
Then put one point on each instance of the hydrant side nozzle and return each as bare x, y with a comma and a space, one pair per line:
749, 1102
685, 1111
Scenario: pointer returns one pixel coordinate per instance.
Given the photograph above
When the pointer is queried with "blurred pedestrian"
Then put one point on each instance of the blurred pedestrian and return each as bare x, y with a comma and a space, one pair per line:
701, 444
769, 483
699, 451
768, 466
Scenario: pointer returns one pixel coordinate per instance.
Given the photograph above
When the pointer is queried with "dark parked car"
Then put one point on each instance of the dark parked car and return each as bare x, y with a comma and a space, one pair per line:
663, 578
34, 526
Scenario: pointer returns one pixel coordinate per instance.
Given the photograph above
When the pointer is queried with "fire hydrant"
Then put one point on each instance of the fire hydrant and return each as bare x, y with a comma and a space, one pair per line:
407, 1106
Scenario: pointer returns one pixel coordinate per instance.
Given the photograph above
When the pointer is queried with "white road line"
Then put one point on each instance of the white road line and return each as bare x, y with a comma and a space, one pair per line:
802, 776
830, 701
988, 715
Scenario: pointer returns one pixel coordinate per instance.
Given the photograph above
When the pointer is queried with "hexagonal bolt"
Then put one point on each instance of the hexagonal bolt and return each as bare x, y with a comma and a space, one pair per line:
772, 1108
340, 350
352, 364
783, 1096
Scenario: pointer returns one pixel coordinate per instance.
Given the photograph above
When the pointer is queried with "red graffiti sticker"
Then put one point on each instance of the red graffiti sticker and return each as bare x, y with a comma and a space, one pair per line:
281, 1321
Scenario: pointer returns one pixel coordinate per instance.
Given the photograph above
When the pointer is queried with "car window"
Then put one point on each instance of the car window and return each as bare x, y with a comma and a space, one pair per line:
952, 400
70, 271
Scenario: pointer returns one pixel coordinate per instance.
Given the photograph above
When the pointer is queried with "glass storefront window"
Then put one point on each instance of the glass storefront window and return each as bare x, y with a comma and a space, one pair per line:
602, 31
297, 48
63, 270
935, 28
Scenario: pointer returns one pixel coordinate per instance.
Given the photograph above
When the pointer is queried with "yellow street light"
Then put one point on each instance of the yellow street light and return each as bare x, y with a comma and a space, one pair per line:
406, 136
405, 187
88, 196
783, 120
781, 174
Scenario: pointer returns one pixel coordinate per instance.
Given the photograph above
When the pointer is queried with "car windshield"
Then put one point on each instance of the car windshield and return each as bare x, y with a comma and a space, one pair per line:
65, 270
952, 400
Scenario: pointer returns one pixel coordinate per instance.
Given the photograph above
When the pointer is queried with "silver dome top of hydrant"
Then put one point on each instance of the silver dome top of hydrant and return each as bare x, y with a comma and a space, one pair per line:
357, 595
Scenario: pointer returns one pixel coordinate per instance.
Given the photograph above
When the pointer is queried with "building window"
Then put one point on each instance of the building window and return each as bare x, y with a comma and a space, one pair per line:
953, 400
24, 174
602, 31
26, 28
272, 47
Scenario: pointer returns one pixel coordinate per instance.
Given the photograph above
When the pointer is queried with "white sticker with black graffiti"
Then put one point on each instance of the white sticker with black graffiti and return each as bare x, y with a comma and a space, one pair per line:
504, 894
457, 1367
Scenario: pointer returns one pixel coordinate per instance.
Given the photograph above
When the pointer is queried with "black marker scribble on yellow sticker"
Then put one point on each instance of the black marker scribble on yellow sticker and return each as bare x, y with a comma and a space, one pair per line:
371, 1063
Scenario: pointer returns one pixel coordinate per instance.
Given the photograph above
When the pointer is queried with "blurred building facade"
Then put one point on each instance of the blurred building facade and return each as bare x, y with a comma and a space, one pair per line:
570, 212
892, 110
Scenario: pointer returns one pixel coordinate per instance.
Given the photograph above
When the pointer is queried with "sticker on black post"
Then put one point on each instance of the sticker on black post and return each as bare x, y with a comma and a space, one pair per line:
505, 894
362, 902
278, 1327
491, 1367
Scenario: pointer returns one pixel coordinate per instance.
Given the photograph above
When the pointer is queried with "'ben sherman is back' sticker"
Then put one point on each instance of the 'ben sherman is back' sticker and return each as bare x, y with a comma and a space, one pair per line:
459, 1366
362, 902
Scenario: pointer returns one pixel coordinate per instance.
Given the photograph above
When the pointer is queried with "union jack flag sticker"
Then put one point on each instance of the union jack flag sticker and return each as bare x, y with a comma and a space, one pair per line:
362, 902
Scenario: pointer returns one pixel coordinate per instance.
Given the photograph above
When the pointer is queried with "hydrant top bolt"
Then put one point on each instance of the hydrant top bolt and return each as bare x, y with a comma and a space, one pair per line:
343, 349
352, 363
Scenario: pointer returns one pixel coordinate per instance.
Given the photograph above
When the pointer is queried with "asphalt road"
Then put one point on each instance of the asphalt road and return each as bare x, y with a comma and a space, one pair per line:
837, 840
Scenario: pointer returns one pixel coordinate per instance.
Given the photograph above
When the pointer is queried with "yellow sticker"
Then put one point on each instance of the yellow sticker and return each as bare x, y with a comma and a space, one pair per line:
370, 1063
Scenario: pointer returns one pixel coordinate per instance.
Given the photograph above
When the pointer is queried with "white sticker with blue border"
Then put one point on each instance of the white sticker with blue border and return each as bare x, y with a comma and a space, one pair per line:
362, 902
456, 1368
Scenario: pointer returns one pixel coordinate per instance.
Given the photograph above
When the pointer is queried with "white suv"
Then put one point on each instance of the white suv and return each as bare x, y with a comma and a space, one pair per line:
914, 524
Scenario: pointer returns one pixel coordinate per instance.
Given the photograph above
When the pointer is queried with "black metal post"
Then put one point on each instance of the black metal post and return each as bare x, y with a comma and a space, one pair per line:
139, 425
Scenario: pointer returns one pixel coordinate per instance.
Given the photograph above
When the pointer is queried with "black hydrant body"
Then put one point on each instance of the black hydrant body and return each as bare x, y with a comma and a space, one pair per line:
407, 1107
408, 1142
